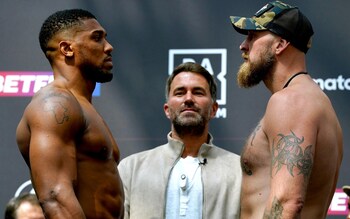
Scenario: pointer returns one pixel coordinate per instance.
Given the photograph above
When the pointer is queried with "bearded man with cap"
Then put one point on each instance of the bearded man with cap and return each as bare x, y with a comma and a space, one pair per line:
291, 160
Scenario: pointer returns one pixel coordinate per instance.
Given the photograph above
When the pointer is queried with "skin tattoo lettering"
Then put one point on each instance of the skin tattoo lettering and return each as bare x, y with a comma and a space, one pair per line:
288, 152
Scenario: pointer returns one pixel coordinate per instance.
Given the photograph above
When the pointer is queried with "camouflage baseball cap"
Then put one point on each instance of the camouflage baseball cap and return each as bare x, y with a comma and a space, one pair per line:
280, 18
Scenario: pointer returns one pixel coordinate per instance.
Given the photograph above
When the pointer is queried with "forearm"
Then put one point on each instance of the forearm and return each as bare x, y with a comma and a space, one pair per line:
60, 204
56, 210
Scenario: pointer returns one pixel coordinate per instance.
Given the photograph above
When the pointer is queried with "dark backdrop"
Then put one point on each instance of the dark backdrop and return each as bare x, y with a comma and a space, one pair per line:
148, 36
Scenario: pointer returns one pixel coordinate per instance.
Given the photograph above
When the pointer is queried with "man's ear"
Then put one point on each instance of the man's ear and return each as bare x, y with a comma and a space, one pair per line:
281, 46
66, 48
166, 110
214, 109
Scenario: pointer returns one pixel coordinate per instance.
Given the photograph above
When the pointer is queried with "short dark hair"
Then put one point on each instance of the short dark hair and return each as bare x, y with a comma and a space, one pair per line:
15, 202
196, 68
61, 20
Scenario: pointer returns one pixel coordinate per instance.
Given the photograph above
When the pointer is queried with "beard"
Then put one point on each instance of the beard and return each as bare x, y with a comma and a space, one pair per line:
190, 124
97, 74
102, 76
251, 73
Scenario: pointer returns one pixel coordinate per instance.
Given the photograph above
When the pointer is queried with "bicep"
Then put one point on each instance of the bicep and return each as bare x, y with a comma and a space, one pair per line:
54, 124
54, 171
292, 137
52, 160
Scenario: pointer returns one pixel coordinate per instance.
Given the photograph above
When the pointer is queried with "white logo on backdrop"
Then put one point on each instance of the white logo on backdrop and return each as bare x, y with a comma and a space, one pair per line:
214, 60
26, 187
334, 84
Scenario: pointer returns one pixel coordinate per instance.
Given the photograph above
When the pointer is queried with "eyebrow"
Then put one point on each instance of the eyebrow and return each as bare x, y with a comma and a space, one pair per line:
194, 88
99, 31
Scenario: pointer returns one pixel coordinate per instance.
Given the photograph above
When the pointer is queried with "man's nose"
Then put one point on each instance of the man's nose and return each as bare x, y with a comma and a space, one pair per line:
189, 98
109, 47
244, 46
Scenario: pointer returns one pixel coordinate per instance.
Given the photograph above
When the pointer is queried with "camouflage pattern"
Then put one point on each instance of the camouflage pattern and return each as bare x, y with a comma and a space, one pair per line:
261, 18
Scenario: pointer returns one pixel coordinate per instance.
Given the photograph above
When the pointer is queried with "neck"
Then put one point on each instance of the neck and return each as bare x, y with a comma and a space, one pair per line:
291, 78
288, 63
279, 78
191, 143
72, 80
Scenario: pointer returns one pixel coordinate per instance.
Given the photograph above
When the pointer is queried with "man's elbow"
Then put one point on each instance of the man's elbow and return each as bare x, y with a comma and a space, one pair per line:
294, 206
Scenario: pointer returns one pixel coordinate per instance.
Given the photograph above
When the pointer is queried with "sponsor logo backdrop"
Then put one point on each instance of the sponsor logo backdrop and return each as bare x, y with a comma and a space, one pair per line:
149, 39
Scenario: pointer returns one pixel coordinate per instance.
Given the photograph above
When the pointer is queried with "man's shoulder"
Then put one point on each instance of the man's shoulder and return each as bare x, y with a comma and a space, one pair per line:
56, 101
143, 155
308, 91
219, 149
225, 154
52, 93
224, 159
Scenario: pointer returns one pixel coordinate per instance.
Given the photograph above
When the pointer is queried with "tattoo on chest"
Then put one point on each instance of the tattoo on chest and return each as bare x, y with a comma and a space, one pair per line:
288, 152
276, 210
254, 134
244, 162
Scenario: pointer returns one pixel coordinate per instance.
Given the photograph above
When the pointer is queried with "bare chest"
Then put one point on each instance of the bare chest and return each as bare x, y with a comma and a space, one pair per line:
256, 156
96, 139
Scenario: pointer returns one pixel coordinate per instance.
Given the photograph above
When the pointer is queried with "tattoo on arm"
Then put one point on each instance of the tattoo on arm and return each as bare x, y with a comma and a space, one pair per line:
276, 210
288, 152
59, 111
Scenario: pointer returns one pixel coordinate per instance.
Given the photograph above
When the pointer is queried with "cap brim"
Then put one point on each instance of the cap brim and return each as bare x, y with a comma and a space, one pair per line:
243, 24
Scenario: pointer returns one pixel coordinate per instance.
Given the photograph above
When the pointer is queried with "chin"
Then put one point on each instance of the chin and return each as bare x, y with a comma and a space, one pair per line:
104, 78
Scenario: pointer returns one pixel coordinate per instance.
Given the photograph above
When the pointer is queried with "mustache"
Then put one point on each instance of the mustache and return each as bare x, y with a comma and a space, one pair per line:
109, 57
245, 55
196, 109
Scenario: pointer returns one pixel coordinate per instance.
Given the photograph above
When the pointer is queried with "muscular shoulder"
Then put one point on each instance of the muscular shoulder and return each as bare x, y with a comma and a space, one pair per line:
287, 100
297, 110
297, 102
53, 106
